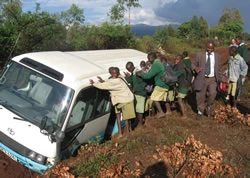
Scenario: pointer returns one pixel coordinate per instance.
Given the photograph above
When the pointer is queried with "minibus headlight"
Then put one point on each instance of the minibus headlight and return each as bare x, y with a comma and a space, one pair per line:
36, 157
40, 158
32, 155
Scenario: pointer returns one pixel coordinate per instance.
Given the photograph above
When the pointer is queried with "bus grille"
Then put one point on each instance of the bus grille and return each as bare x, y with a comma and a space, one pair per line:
15, 146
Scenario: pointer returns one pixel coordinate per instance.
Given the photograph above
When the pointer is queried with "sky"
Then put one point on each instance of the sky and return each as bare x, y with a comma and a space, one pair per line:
151, 12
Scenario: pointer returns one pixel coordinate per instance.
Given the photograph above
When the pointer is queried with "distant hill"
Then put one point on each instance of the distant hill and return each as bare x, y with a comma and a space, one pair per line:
142, 29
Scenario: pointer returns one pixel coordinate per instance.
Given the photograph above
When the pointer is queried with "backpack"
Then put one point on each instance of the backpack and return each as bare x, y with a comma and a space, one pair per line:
169, 76
189, 73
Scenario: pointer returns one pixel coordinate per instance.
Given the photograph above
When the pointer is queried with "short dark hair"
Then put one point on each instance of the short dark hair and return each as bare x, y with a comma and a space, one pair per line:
179, 56
129, 63
185, 53
152, 55
233, 50
116, 69
143, 63
210, 42
110, 69
239, 37
163, 58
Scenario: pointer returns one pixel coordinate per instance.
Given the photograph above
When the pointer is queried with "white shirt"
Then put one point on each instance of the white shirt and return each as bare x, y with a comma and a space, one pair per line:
212, 63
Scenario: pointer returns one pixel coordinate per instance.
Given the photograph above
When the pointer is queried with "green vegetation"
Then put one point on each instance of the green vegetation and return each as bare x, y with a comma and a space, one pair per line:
91, 166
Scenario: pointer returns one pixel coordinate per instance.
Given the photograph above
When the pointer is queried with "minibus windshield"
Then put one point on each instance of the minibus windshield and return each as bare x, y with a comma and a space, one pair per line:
34, 97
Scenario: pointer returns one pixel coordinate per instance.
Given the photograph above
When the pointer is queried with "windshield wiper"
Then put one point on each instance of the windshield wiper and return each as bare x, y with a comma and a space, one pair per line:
18, 118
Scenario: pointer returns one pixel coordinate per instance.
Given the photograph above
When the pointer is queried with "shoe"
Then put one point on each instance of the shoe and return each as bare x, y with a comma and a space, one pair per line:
227, 98
198, 116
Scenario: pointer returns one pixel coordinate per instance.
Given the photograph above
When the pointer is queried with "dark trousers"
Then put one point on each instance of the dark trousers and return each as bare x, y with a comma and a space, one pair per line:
239, 87
206, 96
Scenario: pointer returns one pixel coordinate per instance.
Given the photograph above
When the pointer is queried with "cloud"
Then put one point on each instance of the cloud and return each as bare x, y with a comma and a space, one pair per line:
147, 13
100, 6
183, 10
95, 11
146, 16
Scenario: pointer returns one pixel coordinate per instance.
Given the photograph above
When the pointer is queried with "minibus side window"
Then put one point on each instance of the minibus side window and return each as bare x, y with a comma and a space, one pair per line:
83, 108
103, 103
90, 104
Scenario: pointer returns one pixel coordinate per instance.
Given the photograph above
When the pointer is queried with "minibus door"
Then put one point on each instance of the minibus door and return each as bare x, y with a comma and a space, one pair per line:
88, 119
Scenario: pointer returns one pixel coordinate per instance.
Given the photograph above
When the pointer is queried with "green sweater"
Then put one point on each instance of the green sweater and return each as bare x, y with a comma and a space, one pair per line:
187, 61
157, 70
243, 51
138, 84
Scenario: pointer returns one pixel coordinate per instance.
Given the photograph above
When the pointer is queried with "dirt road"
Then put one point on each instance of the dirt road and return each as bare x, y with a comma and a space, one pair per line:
10, 168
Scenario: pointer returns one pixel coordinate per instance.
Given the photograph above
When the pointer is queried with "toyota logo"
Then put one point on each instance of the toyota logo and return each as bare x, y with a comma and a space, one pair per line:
11, 131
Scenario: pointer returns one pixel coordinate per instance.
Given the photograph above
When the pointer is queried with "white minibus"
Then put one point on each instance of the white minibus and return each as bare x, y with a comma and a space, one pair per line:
47, 106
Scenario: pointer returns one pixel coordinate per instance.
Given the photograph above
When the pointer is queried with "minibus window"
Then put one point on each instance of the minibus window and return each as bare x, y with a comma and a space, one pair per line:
103, 103
90, 104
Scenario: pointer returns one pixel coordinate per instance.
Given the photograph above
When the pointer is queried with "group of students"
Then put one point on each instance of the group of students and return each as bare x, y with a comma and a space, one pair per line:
143, 88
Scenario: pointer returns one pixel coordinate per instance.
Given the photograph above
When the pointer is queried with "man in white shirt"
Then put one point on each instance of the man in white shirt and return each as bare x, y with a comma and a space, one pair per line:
207, 66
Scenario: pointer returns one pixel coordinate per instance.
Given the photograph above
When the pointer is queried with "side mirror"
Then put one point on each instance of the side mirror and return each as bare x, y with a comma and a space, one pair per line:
43, 122
59, 136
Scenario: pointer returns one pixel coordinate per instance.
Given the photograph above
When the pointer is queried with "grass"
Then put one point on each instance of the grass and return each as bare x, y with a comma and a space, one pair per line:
94, 160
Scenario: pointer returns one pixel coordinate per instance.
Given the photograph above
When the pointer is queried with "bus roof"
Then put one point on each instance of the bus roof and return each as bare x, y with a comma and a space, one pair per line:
79, 65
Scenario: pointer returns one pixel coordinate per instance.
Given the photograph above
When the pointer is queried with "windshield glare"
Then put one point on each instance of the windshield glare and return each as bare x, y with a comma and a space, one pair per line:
34, 97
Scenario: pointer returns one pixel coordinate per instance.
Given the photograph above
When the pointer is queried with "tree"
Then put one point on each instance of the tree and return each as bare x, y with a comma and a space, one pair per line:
130, 4
10, 28
118, 10
161, 36
184, 30
245, 36
204, 28
78, 35
231, 15
230, 23
27, 32
171, 30
93, 38
195, 32
145, 43
43, 32
117, 14
116, 36
72, 16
